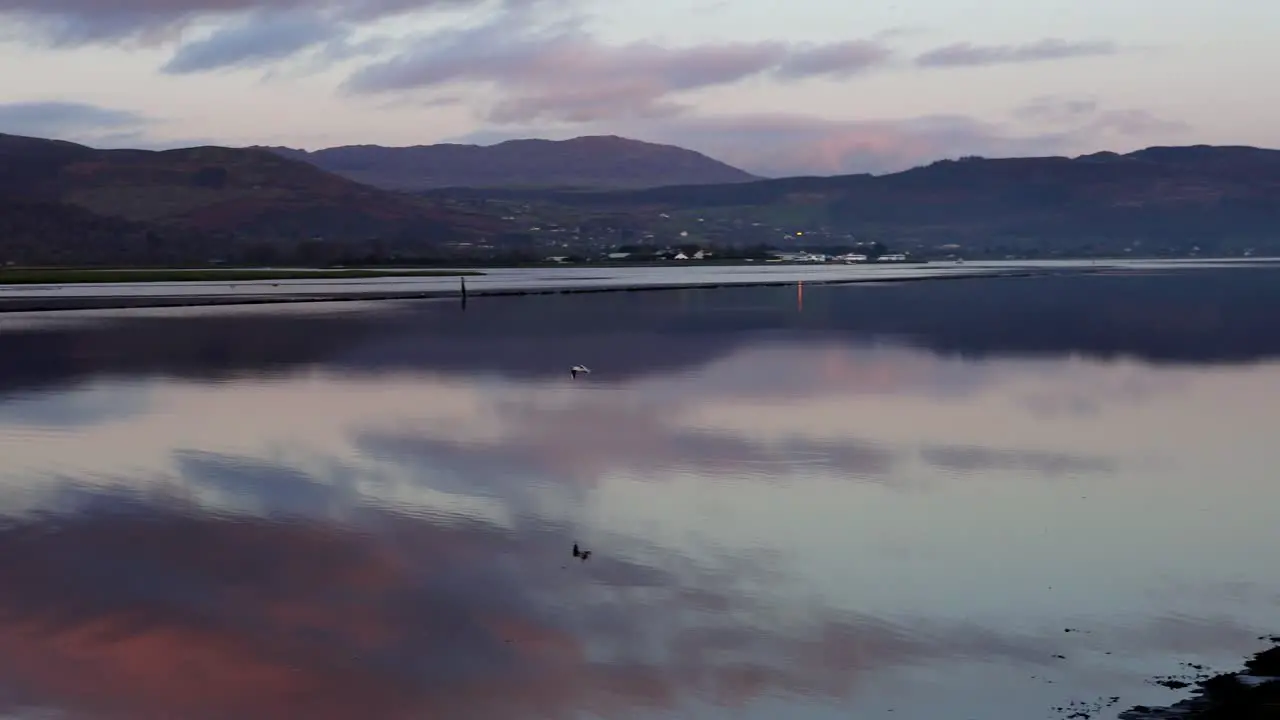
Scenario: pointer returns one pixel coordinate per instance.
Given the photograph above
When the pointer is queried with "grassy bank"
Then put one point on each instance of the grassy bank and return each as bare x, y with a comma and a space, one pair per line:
64, 276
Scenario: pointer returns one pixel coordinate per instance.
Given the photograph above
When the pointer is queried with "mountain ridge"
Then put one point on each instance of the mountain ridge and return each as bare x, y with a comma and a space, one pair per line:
209, 196
1187, 199
69, 203
589, 161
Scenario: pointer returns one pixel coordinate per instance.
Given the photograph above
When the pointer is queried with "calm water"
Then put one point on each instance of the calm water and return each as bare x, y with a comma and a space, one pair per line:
869, 501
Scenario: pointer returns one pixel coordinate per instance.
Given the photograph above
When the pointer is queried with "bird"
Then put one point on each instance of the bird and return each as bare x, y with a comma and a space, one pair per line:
577, 370
576, 551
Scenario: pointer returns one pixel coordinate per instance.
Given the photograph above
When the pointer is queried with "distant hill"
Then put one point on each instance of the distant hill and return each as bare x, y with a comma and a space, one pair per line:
68, 194
584, 162
1198, 194
66, 203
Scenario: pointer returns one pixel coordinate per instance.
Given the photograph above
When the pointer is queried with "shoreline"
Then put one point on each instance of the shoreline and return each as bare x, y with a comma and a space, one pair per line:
1252, 693
112, 276
127, 302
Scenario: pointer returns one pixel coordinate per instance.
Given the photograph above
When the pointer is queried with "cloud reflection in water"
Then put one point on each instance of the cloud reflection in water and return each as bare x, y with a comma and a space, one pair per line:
164, 609
343, 518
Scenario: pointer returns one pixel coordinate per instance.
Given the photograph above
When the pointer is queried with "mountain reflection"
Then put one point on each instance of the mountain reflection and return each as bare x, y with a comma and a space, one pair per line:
1203, 315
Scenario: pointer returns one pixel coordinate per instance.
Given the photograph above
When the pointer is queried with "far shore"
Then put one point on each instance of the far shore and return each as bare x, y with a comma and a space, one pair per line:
118, 302
65, 291
69, 276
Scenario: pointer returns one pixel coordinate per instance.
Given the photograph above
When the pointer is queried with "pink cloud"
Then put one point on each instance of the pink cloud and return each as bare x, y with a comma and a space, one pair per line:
178, 614
559, 72
778, 145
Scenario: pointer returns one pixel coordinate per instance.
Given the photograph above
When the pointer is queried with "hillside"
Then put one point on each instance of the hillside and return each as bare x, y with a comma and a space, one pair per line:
584, 162
63, 193
1217, 198
45, 233
67, 203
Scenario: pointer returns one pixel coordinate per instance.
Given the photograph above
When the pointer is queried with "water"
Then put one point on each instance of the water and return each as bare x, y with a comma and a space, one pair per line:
972, 499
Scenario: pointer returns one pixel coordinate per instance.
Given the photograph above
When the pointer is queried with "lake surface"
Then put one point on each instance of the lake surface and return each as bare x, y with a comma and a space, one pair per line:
969, 499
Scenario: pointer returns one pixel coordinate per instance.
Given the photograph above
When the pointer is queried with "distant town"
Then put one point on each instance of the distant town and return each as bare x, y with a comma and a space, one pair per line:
555, 235
676, 254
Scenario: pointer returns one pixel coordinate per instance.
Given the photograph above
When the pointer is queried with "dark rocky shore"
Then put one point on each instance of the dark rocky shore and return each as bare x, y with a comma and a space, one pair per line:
1250, 694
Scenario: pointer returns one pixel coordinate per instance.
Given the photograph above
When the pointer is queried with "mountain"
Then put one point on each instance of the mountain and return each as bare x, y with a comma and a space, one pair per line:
56, 193
66, 203
584, 162
1223, 198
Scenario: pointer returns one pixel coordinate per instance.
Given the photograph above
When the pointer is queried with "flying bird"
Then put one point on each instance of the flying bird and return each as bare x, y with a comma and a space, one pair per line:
577, 370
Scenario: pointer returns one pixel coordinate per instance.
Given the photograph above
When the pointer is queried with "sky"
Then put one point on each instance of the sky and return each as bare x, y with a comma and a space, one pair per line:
799, 87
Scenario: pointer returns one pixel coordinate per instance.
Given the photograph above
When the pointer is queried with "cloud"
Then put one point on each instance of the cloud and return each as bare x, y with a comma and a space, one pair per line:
1135, 123
546, 69
253, 39
1088, 117
79, 22
794, 145
66, 119
834, 60
266, 38
778, 145
788, 144
1054, 109
92, 125
558, 72
968, 55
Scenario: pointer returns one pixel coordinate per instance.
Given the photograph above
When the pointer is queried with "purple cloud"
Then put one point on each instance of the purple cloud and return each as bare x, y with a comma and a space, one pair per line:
836, 59
559, 72
968, 54
65, 23
245, 33
253, 39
